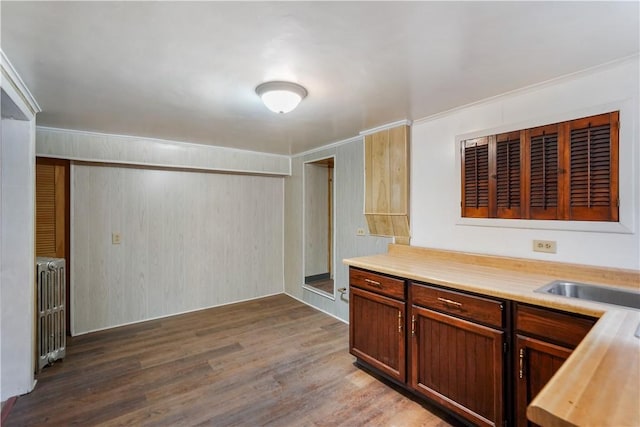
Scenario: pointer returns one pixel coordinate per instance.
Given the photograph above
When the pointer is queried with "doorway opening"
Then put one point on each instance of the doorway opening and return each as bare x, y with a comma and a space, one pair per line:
319, 226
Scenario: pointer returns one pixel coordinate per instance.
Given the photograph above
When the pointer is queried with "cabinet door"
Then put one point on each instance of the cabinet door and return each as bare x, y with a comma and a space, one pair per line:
377, 332
386, 202
458, 364
536, 363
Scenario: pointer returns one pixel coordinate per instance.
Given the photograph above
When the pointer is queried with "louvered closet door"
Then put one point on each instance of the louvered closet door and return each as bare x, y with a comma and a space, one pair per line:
592, 163
52, 213
543, 186
508, 176
46, 211
475, 178
52, 187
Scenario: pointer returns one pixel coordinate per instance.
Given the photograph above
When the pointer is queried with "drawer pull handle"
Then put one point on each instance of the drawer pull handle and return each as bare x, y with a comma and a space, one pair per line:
450, 302
399, 321
521, 374
413, 325
374, 283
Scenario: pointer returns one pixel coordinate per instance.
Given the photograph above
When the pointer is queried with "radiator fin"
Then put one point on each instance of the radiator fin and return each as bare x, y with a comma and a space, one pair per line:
52, 333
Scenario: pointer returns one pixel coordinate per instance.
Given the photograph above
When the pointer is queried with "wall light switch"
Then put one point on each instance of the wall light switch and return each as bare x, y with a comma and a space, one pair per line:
548, 246
115, 238
360, 232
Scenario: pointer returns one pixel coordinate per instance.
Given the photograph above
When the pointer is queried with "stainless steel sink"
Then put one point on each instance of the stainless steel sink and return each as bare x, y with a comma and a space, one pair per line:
623, 297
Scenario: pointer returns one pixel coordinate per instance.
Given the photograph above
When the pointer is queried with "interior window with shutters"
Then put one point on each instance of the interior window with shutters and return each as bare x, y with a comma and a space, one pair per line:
475, 178
562, 171
593, 168
543, 172
508, 175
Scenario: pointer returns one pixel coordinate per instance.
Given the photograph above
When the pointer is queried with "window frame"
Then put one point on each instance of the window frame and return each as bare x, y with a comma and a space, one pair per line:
620, 223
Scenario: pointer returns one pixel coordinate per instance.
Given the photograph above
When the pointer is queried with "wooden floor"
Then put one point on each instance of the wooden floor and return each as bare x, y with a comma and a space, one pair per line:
325, 285
272, 361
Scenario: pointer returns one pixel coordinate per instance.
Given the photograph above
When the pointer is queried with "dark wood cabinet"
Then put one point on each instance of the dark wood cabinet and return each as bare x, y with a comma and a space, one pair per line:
544, 340
480, 357
377, 323
537, 362
458, 363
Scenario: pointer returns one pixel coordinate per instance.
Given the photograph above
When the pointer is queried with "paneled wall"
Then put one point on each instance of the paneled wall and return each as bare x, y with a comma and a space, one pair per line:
316, 220
123, 149
435, 171
189, 240
349, 201
17, 258
17, 261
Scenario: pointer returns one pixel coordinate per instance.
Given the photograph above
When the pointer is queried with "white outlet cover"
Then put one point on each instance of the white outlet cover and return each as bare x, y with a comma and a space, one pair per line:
547, 246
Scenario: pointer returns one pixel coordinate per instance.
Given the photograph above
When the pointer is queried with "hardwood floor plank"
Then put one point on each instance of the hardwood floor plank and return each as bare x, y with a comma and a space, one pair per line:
267, 362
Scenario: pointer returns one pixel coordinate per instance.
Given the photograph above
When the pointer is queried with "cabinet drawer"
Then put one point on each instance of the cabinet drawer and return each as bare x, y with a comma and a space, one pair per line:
483, 310
563, 328
377, 283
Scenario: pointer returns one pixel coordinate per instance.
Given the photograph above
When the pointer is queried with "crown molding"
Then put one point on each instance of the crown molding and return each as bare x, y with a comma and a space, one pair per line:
15, 87
404, 122
630, 59
327, 147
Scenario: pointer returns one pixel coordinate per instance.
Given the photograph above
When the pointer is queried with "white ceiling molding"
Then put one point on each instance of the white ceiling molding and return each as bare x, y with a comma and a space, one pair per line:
328, 146
387, 126
13, 86
140, 151
537, 86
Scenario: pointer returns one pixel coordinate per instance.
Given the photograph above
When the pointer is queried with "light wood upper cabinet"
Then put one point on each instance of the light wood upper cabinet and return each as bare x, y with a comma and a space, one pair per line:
386, 204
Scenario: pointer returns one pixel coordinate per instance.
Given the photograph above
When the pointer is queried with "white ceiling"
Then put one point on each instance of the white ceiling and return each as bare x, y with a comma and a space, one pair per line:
187, 71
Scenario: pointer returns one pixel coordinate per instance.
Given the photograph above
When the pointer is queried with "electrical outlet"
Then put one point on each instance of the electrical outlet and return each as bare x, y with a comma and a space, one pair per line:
115, 238
360, 232
548, 246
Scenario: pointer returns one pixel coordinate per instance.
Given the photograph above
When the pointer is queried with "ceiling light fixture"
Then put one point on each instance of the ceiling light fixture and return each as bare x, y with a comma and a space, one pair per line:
281, 97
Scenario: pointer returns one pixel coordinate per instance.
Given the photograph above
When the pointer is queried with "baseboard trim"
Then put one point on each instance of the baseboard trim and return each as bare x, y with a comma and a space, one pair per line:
175, 314
314, 307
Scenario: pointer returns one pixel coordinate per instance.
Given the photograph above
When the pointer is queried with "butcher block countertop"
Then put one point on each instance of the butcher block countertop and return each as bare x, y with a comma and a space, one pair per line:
599, 385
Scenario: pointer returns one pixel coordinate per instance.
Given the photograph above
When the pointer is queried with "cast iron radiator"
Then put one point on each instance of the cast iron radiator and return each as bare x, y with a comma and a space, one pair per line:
51, 310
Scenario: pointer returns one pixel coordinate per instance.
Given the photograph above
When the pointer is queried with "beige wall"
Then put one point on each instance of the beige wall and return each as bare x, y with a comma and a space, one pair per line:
190, 240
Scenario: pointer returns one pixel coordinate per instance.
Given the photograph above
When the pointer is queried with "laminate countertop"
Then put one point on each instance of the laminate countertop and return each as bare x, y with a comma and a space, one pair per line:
599, 385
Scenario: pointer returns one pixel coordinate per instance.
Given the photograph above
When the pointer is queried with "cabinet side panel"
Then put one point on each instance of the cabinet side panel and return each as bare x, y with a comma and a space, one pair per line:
368, 177
398, 164
380, 191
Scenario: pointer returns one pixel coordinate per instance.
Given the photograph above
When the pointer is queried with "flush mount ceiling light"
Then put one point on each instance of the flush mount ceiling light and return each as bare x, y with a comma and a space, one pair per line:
281, 97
